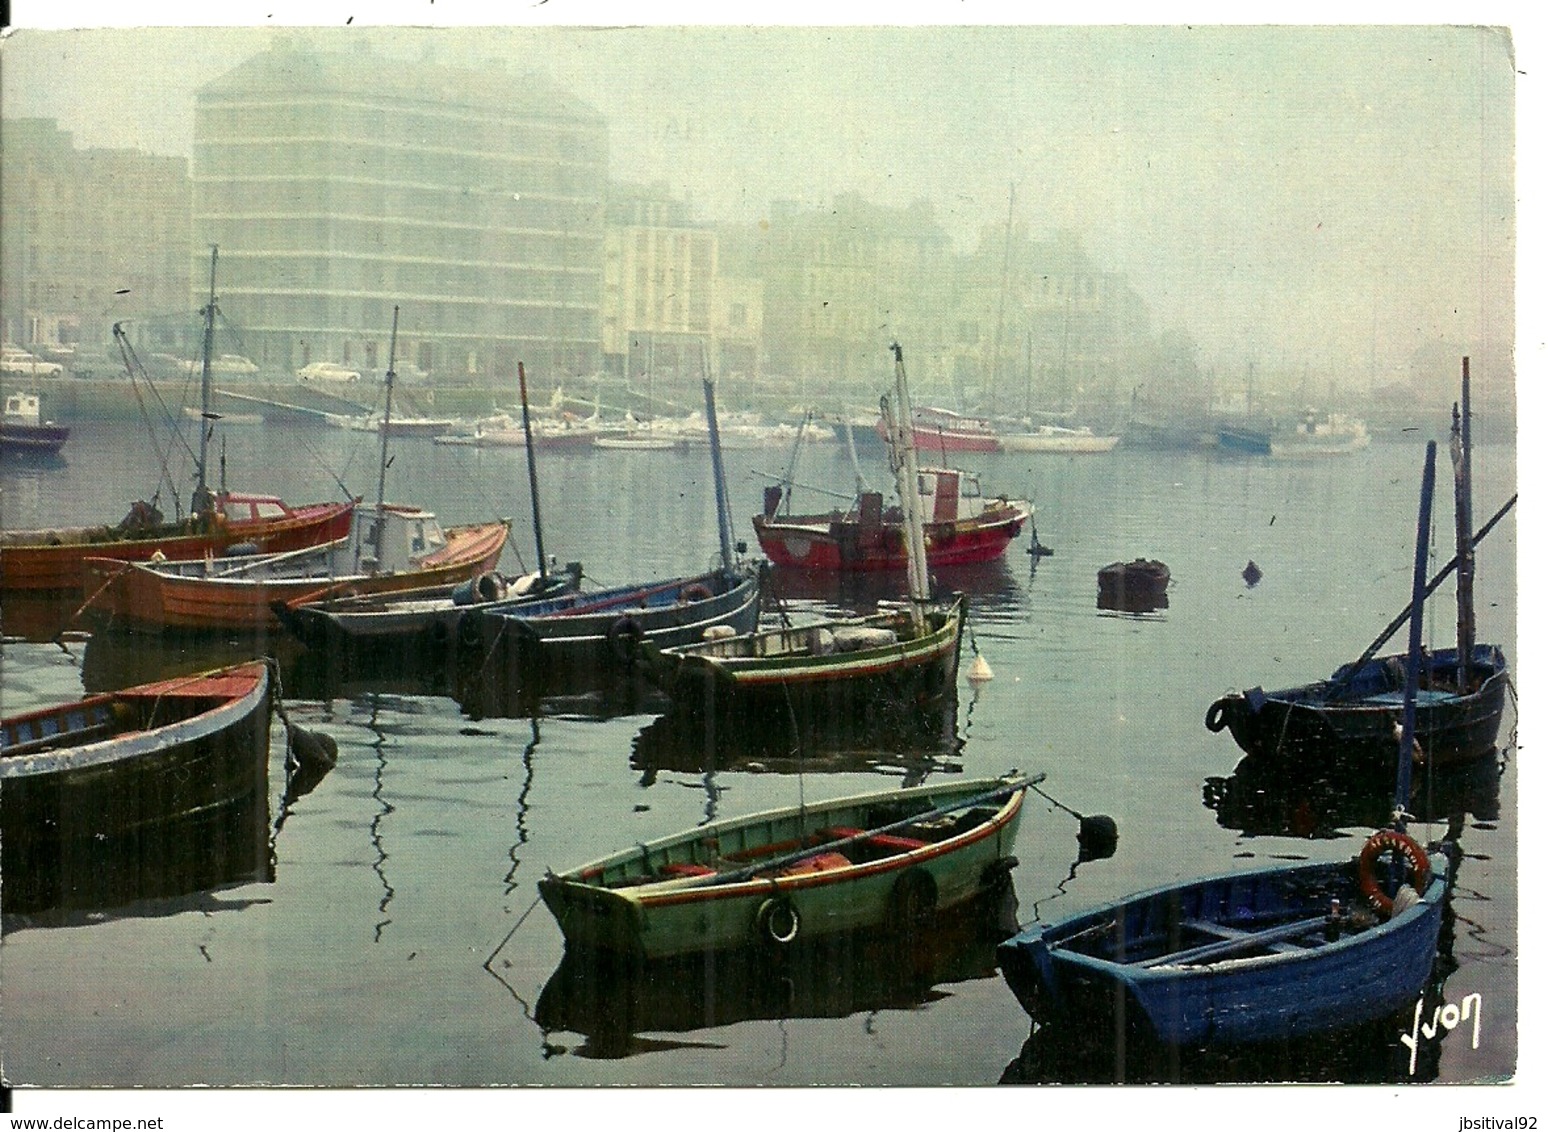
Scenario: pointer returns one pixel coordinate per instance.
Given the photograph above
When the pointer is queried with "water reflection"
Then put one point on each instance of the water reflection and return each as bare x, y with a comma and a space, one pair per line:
989, 586
143, 871
1275, 797
612, 1001
917, 742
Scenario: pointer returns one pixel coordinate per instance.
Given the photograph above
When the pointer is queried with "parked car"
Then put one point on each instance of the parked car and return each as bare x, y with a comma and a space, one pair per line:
15, 360
327, 371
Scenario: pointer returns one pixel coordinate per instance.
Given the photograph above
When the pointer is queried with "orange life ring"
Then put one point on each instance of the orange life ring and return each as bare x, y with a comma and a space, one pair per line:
1377, 844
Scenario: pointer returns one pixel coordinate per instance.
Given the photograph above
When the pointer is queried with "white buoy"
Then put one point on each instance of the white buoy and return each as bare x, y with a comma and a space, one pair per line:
980, 672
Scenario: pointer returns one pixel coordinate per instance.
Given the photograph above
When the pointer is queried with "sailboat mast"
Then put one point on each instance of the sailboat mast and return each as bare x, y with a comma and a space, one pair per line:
907, 469
1462, 469
722, 504
202, 492
526, 427
1415, 639
381, 475
999, 325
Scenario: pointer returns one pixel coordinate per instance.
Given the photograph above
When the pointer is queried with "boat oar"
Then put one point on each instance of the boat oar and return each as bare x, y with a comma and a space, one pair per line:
1011, 784
1434, 583
1098, 836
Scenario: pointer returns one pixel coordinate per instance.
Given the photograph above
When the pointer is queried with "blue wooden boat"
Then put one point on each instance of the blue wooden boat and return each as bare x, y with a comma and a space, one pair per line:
510, 655
1244, 957
1268, 955
1351, 717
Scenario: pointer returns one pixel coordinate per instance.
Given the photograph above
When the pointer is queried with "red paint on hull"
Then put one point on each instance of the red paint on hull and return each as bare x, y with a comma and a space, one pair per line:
802, 544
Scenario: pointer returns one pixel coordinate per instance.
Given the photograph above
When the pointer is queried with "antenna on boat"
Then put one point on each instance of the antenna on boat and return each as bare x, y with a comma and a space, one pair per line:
526, 427
201, 499
906, 468
381, 475
1415, 642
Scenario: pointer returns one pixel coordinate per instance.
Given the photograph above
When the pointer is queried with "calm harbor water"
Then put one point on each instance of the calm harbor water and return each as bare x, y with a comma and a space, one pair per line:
391, 936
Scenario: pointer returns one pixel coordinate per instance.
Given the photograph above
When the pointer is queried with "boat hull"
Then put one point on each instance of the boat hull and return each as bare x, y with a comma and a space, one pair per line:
508, 655
1357, 726
53, 561
683, 916
829, 543
141, 597
77, 818
802, 672
1109, 967
37, 440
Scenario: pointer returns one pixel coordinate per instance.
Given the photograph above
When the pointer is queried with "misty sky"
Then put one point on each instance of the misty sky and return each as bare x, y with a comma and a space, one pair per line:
1324, 197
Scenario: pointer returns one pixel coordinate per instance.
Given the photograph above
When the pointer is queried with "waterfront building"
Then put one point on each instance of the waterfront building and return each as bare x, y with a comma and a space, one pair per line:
89, 237
338, 186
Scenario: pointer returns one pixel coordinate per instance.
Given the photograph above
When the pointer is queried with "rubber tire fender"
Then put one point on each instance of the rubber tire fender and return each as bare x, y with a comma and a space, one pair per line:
1215, 717
624, 637
777, 922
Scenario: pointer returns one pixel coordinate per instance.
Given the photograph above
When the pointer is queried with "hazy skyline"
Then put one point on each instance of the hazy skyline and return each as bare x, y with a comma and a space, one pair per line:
1318, 197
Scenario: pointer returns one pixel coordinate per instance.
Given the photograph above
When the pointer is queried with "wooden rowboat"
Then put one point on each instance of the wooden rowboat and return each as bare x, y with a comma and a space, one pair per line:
803, 872
91, 786
1234, 959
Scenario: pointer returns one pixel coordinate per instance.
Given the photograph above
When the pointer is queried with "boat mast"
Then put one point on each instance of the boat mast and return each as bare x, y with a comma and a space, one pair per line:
201, 499
1462, 471
381, 475
1415, 641
722, 505
999, 325
526, 427
906, 468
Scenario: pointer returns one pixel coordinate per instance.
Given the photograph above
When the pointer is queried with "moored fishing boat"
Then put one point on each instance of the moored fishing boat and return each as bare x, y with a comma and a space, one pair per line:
961, 526
1262, 956
24, 431
903, 658
237, 593
52, 560
883, 859
1350, 717
510, 654
90, 785
941, 430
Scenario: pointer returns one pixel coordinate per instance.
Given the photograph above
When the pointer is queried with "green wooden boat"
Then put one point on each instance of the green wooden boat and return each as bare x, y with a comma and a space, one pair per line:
880, 861
834, 668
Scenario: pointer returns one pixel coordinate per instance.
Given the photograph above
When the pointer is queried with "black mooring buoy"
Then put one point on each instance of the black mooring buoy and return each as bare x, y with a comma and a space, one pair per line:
315, 750
1098, 837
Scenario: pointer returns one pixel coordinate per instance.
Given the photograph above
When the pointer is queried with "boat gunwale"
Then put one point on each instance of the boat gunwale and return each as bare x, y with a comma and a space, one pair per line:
676, 889
1130, 973
130, 743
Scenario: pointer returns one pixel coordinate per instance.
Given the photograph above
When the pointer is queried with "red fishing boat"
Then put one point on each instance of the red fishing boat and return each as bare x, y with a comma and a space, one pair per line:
392, 547
961, 527
941, 430
52, 560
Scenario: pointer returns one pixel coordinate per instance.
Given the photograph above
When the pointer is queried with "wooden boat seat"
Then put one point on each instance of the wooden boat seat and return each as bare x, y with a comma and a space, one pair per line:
76, 737
1237, 941
889, 841
1224, 931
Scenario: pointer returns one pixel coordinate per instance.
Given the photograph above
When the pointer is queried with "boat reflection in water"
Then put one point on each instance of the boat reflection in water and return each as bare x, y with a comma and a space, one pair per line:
613, 1000
917, 740
989, 586
115, 658
1265, 796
